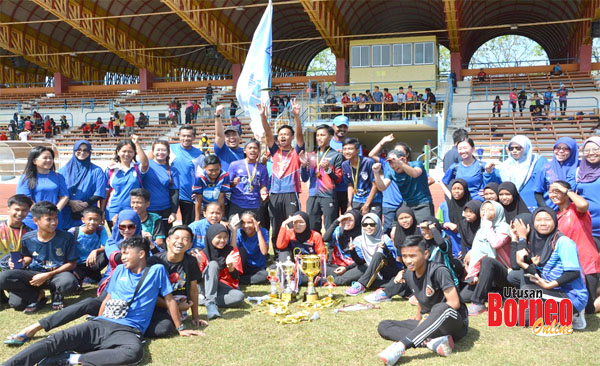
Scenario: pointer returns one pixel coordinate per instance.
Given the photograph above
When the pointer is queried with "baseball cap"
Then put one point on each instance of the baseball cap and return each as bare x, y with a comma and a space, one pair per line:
232, 128
341, 120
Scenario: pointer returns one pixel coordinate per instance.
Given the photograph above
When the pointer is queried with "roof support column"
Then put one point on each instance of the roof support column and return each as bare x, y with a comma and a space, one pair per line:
61, 83
146, 79
236, 70
341, 71
585, 57
456, 64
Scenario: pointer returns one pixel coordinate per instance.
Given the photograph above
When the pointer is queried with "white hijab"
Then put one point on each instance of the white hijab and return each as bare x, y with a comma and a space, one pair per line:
519, 171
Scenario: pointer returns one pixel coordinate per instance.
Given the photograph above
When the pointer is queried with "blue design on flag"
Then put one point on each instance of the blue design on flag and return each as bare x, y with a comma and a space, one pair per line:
255, 79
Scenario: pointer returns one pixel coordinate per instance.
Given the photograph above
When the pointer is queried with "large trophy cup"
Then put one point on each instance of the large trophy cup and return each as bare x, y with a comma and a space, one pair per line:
310, 264
288, 269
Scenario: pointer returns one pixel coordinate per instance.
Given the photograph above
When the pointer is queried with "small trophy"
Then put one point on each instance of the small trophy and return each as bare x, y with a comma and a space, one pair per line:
288, 269
330, 285
273, 279
310, 264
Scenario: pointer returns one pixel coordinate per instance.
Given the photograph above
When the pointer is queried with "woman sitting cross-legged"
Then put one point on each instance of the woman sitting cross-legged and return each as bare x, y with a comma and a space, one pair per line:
340, 235
221, 267
377, 251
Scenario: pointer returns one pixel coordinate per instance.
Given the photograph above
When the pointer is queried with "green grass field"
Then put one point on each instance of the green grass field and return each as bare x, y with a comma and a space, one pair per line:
247, 337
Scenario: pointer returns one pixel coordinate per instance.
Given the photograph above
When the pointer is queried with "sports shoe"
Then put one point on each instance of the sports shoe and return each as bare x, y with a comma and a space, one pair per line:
212, 311
378, 296
578, 321
413, 300
392, 353
356, 289
476, 309
443, 346
61, 359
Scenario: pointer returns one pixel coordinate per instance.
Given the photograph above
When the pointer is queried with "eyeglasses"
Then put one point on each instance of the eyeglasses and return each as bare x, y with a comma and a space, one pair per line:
562, 148
517, 148
367, 224
591, 151
127, 227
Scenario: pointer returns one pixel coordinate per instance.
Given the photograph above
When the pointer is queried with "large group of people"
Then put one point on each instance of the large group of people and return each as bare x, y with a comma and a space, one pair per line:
527, 223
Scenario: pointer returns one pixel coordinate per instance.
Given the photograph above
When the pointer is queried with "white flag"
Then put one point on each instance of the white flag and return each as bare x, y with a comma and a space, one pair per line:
255, 80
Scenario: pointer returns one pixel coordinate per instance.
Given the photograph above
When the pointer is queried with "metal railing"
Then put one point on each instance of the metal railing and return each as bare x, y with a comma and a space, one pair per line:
554, 106
383, 111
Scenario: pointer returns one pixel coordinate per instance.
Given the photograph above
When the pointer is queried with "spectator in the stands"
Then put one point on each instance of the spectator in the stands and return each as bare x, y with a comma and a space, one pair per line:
411, 99
536, 101
129, 123
363, 107
189, 112
388, 98
48, 129
209, 94
142, 121
481, 75
111, 127
401, 100
3, 136
497, 108
512, 97
452, 156
233, 107
12, 129
562, 99
196, 108
556, 70
354, 107
345, 102
430, 101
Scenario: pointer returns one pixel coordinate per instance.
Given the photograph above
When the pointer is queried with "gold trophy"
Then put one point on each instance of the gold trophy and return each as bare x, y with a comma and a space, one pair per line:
288, 269
272, 277
310, 264
330, 285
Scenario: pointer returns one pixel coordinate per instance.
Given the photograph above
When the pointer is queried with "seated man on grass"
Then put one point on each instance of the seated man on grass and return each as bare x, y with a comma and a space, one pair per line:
442, 316
48, 256
115, 335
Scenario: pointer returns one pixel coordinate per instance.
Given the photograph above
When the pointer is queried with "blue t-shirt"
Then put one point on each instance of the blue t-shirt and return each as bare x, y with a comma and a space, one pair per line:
87, 242
209, 190
565, 258
228, 155
122, 183
415, 191
122, 285
378, 96
241, 195
536, 183
338, 146
475, 176
255, 257
47, 256
50, 187
392, 198
548, 97
364, 178
157, 183
185, 168
92, 184
591, 192
199, 229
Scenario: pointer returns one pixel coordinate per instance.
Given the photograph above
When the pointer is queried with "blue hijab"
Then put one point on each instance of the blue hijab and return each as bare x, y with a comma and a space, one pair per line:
112, 244
561, 171
75, 169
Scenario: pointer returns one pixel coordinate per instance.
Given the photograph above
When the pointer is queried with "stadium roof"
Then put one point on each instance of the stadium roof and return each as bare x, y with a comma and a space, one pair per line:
163, 36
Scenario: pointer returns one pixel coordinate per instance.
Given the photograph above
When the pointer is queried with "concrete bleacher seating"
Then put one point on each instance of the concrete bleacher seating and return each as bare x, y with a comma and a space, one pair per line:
503, 84
492, 133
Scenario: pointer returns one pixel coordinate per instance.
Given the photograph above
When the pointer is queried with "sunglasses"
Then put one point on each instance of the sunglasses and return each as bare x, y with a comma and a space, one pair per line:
127, 227
517, 148
561, 148
367, 224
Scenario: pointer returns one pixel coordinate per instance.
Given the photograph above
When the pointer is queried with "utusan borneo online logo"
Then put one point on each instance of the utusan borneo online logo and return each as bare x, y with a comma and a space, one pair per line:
546, 317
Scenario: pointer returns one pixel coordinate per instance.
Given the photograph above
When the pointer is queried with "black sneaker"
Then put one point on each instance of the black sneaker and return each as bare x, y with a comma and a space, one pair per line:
58, 360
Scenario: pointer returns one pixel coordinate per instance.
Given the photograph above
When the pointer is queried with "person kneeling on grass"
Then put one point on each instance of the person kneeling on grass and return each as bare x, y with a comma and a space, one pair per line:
442, 317
252, 242
115, 336
221, 267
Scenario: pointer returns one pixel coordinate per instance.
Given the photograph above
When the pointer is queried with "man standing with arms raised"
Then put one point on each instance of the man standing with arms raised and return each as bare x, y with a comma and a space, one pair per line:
285, 175
183, 163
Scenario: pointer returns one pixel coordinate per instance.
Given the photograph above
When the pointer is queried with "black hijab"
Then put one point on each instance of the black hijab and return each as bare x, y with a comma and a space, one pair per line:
212, 253
517, 206
543, 245
400, 232
346, 235
493, 186
467, 230
305, 235
456, 207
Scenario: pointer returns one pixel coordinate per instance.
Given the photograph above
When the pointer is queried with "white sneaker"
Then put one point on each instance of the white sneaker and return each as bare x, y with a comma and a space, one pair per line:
377, 297
443, 346
392, 353
579, 320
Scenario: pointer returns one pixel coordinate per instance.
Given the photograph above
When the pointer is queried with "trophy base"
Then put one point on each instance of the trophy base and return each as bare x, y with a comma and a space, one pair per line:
274, 296
311, 297
288, 297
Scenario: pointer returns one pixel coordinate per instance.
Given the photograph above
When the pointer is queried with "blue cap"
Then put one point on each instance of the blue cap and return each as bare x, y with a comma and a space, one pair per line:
341, 120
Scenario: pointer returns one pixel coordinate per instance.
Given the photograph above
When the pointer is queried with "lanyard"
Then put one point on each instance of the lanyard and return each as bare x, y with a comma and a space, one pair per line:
250, 176
320, 161
355, 181
14, 243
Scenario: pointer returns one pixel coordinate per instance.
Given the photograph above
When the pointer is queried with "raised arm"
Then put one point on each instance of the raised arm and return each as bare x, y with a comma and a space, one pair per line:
380, 183
298, 123
262, 109
141, 155
219, 131
374, 154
